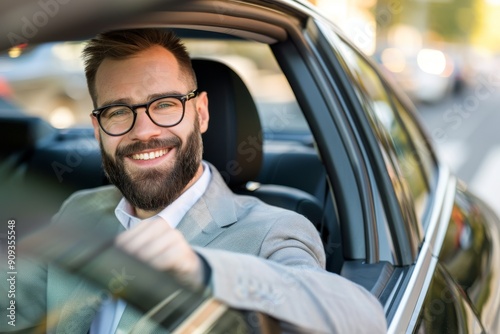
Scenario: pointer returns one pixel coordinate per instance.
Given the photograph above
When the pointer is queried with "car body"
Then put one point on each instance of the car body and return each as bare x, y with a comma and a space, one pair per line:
394, 219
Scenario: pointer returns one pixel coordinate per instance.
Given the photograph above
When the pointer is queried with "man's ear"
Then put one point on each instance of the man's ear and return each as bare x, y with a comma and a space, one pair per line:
202, 110
95, 124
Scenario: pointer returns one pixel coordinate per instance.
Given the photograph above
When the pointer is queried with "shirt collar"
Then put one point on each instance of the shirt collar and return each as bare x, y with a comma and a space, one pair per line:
173, 213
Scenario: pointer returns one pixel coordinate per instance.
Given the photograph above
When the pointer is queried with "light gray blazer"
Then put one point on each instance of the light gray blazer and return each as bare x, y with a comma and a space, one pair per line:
262, 258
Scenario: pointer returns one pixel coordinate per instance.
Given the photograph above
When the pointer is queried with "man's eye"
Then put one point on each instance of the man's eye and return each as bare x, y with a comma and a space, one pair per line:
164, 104
116, 113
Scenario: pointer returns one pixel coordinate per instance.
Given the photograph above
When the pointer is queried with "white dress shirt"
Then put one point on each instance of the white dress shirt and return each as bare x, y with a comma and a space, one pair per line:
107, 318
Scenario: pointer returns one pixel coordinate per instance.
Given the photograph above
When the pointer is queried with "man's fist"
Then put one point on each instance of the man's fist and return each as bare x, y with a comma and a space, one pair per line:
164, 248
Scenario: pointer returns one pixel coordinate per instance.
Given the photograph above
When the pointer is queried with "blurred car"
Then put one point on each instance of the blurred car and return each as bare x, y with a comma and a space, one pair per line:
330, 138
47, 80
426, 75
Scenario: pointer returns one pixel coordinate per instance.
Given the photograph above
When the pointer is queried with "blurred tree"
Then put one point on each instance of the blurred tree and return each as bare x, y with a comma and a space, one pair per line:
486, 33
452, 20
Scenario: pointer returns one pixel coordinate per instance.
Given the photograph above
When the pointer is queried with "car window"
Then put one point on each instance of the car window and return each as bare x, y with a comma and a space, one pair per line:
398, 148
47, 81
423, 153
255, 64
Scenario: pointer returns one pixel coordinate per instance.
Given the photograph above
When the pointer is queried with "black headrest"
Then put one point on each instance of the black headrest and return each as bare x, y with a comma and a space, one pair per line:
233, 142
22, 133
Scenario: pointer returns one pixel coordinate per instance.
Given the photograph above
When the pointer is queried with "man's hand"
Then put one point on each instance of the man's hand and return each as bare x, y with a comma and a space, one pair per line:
164, 248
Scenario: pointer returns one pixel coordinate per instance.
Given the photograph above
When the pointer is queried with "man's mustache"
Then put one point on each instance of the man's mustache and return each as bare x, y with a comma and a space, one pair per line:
172, 142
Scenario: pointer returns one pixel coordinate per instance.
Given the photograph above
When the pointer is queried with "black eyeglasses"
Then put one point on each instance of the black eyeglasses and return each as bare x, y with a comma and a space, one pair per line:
117, 119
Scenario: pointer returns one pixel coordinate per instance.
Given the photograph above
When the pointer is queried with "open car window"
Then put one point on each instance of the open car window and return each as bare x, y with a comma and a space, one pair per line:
278, 109
48, 81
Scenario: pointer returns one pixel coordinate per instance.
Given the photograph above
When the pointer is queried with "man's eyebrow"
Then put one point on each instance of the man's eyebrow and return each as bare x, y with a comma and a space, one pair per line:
154, 96
150, 97
118, 101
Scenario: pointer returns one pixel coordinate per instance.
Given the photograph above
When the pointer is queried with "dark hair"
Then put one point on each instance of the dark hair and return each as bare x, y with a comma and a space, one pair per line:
122, 44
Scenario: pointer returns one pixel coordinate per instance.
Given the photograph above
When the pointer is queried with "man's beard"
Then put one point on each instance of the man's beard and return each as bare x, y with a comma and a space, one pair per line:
155, 189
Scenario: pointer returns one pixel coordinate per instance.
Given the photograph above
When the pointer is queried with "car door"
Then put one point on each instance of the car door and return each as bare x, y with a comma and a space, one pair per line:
411, 195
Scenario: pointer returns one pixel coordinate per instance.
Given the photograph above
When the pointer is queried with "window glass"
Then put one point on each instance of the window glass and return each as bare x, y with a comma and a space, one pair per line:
255, 64
400, 153
48, 81
424, 161
425, 155
386, 246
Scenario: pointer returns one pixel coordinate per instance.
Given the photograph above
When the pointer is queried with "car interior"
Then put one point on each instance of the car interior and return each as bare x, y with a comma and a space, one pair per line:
44, 165
69, 160
349, 171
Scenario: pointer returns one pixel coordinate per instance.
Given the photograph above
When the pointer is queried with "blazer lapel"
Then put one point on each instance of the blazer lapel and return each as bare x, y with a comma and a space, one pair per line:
201, 224
211, 213
207, 219
80, 308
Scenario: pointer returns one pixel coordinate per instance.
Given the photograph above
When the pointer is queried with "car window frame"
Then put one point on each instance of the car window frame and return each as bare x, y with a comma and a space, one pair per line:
404, 240
315, 95
405, 115
389, 145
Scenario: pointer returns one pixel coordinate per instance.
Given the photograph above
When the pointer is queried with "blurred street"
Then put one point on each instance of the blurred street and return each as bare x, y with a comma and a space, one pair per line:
465, 130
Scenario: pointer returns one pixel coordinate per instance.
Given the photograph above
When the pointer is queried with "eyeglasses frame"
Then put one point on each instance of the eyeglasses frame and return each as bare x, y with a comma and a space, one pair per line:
183, 98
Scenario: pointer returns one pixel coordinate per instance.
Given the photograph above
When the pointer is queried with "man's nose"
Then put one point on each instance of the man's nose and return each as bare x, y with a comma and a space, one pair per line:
144, 128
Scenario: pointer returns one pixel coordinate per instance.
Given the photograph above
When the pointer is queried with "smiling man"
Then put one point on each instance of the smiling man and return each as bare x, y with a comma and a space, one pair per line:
162, 143
172, 210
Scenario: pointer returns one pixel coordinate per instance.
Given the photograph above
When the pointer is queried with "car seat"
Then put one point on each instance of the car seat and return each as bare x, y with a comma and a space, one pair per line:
233, 142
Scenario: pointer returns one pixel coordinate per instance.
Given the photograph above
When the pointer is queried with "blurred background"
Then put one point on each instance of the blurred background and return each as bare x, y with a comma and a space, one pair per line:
444, 54
431, 48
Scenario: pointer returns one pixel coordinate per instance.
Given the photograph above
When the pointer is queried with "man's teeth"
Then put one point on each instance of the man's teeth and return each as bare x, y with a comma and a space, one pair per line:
149, 155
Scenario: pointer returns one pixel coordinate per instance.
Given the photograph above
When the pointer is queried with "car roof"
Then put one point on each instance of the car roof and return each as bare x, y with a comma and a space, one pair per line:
266, 21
